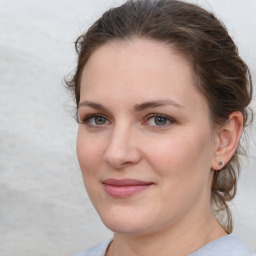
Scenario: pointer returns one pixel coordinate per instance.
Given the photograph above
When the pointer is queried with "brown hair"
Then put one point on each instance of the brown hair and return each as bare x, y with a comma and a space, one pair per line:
223, 77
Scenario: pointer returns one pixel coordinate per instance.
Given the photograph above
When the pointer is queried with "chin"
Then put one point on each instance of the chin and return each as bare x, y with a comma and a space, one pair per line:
128, 221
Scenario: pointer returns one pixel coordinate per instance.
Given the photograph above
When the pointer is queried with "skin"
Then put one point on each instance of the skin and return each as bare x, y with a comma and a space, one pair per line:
176, 153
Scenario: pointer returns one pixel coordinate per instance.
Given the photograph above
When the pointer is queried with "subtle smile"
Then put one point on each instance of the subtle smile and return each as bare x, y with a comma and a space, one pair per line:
125, 187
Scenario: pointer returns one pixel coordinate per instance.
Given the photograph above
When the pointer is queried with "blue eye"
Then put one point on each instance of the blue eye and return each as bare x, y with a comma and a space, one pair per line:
99, 120
159, 120
95, 120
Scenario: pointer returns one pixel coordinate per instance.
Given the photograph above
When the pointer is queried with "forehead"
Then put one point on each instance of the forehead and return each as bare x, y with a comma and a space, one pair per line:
140, 69
144, 52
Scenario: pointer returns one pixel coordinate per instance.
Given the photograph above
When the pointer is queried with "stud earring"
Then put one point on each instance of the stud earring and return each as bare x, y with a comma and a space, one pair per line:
221, 163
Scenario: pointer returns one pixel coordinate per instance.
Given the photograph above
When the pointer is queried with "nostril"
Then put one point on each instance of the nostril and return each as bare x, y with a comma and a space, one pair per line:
121, 159
121, 150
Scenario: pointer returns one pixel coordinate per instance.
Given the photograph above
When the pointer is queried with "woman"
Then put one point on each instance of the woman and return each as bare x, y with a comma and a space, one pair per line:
162, 99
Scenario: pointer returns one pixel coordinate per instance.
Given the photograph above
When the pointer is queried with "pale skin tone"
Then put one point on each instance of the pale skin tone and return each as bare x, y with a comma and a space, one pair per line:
142, 117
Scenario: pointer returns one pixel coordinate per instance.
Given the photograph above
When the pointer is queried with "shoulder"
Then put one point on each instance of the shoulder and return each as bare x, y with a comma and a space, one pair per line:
97, 250
229, 245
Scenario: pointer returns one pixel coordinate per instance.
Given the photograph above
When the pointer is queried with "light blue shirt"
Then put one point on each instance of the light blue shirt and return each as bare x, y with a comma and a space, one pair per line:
229, 245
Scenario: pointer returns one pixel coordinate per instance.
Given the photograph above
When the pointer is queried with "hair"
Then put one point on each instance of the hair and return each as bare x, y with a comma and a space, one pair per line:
222, 76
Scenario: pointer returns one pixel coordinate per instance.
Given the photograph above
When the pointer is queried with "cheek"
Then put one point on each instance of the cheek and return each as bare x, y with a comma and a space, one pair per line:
182, 158
182, 164
89, 152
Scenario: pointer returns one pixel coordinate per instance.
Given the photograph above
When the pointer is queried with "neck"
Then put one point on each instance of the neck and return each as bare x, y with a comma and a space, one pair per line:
178, 240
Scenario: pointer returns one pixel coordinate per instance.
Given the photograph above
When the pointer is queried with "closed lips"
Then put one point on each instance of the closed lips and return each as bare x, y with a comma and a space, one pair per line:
125, 187
125, 182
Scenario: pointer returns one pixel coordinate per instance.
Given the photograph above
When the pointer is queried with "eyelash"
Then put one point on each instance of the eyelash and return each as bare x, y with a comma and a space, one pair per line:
165, 117
87, 119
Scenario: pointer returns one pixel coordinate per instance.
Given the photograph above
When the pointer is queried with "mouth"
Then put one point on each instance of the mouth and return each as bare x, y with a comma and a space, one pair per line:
125, 187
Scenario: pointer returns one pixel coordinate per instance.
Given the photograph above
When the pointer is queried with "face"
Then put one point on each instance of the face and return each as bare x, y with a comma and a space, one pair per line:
145, 142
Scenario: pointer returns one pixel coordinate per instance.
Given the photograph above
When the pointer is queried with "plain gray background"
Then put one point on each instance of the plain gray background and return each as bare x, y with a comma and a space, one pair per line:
44, 209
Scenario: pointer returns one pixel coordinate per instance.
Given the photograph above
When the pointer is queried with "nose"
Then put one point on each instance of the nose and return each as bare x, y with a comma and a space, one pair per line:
122, 149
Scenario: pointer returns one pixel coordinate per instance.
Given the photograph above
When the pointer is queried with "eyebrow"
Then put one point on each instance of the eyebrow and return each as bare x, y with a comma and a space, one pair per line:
92, 105
156, 103
137, 107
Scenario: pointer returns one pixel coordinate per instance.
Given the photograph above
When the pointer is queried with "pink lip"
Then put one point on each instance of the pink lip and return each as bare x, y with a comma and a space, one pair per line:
125, 187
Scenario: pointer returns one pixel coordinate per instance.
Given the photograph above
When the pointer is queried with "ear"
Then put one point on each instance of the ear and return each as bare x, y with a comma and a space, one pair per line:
227, 139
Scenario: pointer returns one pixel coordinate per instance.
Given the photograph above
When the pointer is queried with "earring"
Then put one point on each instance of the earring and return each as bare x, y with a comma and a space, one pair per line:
222, 163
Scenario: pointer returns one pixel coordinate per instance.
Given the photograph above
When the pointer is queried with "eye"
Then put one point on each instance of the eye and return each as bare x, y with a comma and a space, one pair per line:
159, 120
95, 120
